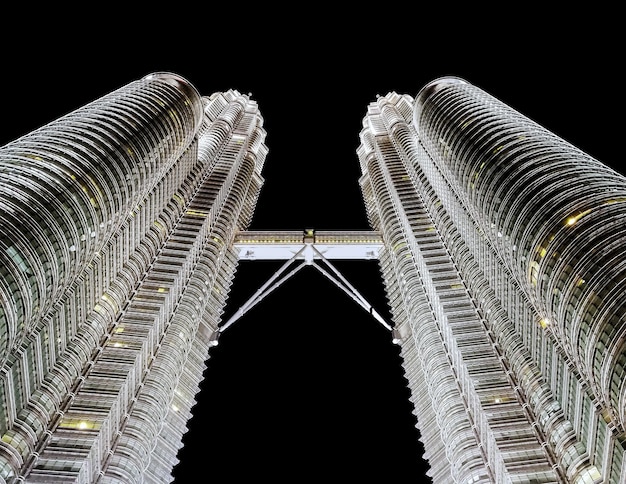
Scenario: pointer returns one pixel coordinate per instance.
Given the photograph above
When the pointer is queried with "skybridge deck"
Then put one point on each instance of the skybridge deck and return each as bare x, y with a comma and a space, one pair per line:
283, 245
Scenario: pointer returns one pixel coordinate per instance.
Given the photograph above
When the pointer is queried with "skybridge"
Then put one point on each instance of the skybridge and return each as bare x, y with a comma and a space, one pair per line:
306, 248
308, 245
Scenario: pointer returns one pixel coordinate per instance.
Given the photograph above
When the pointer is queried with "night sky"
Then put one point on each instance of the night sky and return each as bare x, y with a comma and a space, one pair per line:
307, 384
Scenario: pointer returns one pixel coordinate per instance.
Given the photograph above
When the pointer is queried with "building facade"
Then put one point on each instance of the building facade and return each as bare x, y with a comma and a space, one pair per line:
116, 228
122, 223
505, 275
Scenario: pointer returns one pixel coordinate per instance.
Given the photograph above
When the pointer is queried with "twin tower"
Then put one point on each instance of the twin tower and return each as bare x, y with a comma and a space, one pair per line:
500, 246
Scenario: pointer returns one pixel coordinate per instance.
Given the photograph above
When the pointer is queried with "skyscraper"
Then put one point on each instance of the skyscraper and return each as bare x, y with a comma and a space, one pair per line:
505, 273
498, 244
116, 226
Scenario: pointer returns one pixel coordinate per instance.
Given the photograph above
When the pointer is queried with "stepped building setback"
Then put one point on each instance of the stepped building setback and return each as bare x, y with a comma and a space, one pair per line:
500, 246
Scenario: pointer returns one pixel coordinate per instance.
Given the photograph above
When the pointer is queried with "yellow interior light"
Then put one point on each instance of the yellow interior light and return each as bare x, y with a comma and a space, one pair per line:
575, 218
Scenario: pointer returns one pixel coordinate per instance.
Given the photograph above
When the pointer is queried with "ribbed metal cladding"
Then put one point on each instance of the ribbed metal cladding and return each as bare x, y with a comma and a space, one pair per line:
552, 216
473, 418
68, 186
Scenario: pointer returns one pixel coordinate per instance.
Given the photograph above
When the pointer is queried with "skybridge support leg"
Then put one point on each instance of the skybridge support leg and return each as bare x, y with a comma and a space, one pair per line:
265, 289
342, 283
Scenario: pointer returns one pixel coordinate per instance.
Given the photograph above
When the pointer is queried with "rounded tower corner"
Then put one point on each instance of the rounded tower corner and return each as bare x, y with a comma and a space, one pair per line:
429, 89
184, 85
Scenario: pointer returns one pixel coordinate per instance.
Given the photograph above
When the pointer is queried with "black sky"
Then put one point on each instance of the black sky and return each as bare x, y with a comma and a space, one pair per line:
307, 384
